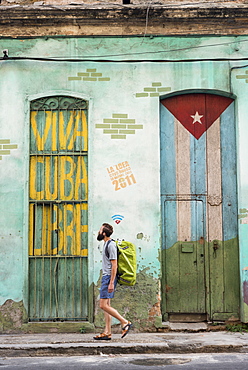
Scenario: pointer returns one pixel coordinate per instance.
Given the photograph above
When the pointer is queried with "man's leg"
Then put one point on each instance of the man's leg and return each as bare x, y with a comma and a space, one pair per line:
105, 306
108, 318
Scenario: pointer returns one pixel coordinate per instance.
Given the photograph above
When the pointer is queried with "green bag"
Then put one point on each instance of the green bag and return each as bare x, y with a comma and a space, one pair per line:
127, 266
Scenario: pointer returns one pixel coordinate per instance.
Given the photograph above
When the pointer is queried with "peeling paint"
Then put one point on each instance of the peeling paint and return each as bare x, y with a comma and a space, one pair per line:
12, 316
178, 274
132, 303
243, 216
143, 237
245, 291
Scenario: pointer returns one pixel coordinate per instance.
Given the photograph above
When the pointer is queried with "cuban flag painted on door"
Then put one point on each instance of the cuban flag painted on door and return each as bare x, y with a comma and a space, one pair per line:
198, 181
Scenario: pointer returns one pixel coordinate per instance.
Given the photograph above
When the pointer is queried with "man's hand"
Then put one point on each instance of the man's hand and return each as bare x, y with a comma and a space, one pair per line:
111, 287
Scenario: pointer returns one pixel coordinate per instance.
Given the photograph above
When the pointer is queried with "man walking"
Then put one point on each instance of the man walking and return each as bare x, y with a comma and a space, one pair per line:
108, 284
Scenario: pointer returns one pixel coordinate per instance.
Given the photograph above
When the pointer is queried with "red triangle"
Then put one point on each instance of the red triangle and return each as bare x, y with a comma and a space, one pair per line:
203, 108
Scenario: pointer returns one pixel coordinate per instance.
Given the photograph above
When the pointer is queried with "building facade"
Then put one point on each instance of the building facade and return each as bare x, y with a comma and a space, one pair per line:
142, 130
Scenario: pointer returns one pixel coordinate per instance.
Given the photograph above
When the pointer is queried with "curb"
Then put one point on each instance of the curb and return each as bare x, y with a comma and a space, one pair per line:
87, 349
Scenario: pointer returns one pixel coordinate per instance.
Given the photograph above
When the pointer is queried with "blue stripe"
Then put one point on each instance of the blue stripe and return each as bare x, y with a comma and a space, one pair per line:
168, 176
197, 220
198, 165
198, 185
229, 173
168, 155
170, 222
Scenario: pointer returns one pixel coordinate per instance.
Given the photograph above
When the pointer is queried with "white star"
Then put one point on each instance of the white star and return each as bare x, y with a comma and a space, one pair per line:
197, 118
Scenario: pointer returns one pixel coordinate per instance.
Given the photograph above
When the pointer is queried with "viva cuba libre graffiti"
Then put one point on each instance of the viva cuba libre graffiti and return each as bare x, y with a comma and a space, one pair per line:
58, 183
69, 178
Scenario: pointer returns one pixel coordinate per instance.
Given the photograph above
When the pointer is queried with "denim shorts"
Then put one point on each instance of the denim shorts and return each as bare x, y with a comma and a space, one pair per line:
104, 294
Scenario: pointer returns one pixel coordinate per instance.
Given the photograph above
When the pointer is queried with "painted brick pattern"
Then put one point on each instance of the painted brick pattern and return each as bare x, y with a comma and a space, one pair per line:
243, 216
119, 126
5, 147
243, 77
91, 75
153, 91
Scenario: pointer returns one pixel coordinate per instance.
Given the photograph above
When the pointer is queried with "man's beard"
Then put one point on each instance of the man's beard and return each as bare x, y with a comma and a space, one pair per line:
100, 237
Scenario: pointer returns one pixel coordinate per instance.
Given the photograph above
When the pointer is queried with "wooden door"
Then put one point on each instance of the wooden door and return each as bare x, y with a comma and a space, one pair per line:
198, 175
58, 222
184, 263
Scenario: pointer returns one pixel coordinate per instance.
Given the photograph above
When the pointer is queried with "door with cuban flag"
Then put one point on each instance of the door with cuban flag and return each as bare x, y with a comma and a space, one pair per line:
200, 256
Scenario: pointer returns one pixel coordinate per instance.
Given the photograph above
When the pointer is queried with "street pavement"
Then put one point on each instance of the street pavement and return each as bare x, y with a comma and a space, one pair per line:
55, 344
203, 361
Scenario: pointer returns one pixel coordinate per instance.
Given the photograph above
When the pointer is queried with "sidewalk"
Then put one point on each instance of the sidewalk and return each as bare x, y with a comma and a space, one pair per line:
12, 345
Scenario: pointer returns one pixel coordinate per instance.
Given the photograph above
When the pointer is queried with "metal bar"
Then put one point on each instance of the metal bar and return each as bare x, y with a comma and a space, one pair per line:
42, 287
81, 286
57, 202
55, 287
50, 286
55, 257
60, 154
35, 290
73, 288
65, 288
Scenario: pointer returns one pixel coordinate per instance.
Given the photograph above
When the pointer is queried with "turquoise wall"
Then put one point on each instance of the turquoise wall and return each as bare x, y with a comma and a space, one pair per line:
125, 90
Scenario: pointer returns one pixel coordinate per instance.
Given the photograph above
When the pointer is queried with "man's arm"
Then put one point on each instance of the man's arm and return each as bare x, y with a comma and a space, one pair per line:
113, 275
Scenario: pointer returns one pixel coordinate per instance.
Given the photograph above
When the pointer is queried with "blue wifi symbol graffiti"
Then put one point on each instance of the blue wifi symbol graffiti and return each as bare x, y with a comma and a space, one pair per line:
117, 218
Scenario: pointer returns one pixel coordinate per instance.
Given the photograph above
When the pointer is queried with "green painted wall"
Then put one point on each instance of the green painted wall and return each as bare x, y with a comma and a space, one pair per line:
123, 128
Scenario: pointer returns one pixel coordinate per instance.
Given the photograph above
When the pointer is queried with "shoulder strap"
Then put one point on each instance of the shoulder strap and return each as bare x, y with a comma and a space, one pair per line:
106, 248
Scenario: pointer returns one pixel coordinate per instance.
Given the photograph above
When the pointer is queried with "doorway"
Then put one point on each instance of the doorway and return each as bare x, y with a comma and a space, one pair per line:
200, 265
58, 204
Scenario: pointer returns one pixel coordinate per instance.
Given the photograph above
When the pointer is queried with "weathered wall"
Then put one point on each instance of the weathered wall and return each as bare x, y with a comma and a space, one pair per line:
238, 80
177, 18
132, 302
128, 3
119, 91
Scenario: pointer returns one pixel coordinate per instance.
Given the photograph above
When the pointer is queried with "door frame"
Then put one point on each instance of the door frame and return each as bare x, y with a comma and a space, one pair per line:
163, 198
90, 100
177, 198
